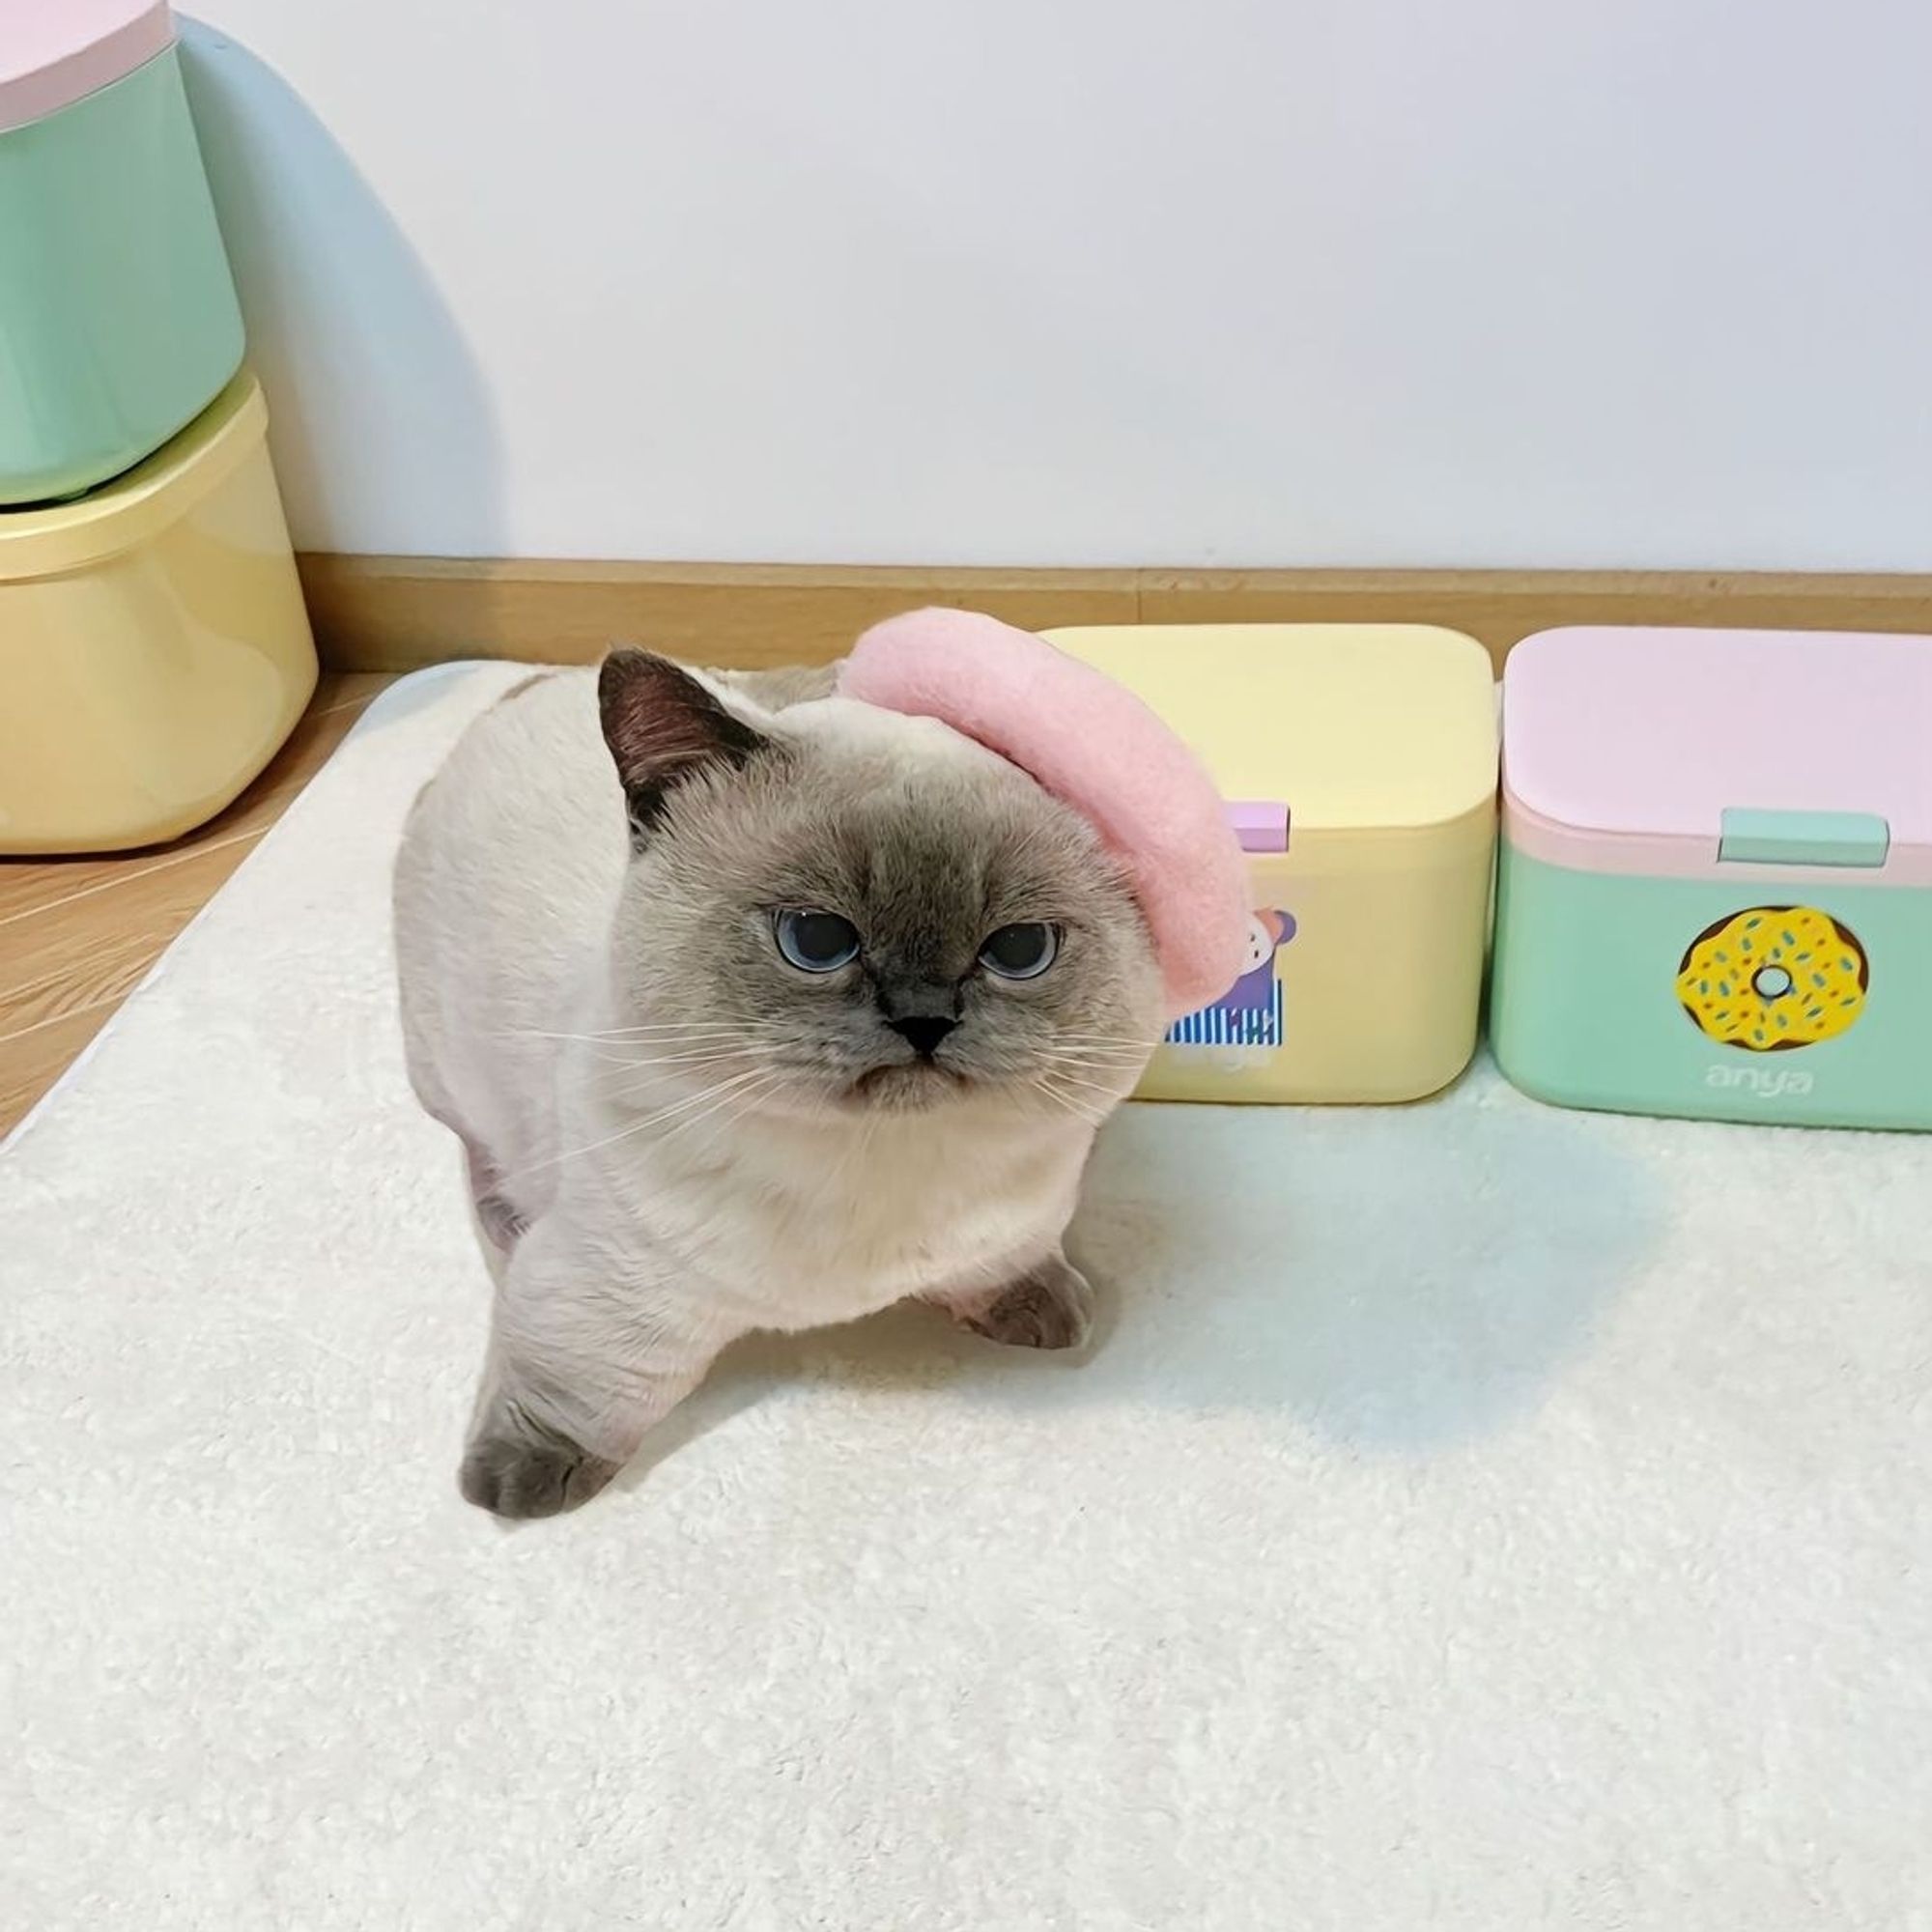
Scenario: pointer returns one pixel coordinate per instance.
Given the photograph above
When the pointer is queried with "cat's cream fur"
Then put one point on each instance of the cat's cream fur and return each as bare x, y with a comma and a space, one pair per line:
673, 1138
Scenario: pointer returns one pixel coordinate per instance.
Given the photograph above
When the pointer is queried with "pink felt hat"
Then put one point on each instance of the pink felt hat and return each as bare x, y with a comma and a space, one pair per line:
1094, 745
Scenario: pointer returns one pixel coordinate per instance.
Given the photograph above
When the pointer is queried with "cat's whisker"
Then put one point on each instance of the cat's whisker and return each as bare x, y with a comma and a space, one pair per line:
1107, 1093
1074, 1077
1080, 1062
1107, 1062
734, 1106
642, 1092
717, 1088
1073, 1112
623, 1035
732, 1043
1119, 1080
709, 1056
648, 1050
1066, 1102
684, 1026
1111, 1094
1046, 1093
636, 1128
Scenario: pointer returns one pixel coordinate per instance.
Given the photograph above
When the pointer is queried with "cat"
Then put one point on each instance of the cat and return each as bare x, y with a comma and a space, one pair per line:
753, 1007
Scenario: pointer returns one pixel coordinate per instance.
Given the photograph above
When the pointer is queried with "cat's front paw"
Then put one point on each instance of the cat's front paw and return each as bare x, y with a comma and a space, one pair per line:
525, 1472
1049, 1307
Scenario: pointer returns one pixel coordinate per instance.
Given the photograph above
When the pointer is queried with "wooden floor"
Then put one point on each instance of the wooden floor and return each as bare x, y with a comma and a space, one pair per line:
76, 935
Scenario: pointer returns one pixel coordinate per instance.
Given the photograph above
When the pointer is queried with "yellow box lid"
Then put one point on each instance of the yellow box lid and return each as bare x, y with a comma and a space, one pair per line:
117, 515
1354, 726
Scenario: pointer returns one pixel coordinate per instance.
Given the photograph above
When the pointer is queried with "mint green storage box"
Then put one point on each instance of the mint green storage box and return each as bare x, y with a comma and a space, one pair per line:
118, 319
1714, 894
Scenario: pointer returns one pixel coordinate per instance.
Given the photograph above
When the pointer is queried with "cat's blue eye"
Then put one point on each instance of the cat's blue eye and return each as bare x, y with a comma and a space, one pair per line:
1020, 951
814, 941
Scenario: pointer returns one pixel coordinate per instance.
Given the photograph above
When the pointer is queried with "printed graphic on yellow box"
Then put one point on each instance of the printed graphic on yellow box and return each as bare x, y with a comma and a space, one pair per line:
1249, 1013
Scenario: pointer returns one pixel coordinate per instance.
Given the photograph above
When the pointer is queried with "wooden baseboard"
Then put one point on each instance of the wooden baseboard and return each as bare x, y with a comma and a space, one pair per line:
402, 613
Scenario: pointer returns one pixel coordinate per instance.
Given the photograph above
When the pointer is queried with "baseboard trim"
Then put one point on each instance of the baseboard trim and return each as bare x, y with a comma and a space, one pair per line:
402, 613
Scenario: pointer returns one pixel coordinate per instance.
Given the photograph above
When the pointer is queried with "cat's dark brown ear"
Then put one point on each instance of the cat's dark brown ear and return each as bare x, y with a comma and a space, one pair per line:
663, 727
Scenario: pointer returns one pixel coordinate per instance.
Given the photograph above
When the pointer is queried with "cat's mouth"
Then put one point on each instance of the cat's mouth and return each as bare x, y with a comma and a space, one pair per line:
907, 1084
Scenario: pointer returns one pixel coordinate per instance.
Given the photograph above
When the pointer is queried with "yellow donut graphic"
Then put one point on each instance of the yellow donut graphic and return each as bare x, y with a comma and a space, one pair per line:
1772, 977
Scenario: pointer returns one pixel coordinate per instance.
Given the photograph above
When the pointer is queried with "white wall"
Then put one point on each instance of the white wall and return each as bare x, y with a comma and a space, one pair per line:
1407, 282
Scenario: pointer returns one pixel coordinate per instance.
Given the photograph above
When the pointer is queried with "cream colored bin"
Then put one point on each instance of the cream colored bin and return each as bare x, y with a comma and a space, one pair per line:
1359, 762
154, 648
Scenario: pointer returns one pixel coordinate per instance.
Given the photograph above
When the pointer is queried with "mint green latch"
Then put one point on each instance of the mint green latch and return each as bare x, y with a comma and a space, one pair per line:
1803, 838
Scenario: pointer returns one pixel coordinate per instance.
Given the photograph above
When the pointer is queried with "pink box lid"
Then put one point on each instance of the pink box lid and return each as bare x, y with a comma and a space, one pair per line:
1645, 738
54, 52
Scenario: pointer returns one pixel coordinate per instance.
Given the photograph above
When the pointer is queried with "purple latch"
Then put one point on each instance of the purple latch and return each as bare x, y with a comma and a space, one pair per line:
1260, 823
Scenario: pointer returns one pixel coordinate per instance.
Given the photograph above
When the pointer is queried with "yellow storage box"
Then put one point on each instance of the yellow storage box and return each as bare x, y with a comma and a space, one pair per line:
1359, 763
153, 647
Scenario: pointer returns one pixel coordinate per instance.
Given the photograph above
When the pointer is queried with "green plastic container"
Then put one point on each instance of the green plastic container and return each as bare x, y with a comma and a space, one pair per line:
118, 317
1714, 887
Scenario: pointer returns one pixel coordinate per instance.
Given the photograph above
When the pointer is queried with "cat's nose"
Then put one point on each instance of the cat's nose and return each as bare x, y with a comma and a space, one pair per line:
923, 1032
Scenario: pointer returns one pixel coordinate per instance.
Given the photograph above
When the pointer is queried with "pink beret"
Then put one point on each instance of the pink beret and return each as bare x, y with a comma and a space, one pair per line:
1094, 745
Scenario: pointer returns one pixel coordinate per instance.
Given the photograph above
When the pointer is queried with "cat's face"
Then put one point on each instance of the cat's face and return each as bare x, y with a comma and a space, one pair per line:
869, 912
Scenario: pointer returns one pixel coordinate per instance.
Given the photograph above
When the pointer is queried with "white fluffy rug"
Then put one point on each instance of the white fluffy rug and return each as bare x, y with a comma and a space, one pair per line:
1474, 1516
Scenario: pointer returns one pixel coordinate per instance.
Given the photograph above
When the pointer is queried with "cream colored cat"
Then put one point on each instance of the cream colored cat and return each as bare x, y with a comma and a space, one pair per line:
752, 1008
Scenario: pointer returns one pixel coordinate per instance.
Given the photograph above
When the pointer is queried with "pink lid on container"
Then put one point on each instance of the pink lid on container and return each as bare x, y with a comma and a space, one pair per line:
1644, 739
54, 52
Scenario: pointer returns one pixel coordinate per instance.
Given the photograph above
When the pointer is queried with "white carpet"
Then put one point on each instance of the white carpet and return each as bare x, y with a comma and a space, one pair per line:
1475, 1516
